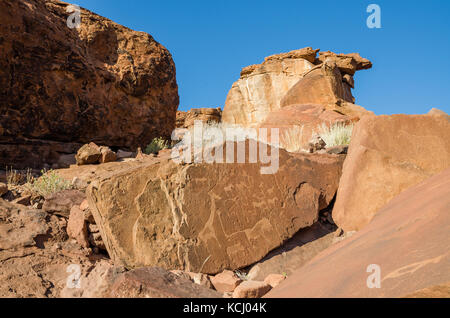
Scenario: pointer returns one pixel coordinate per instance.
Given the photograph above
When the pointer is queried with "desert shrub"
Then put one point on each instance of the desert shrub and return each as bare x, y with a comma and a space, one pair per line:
156, 145
48, 183
336, 135
13, 177
291, 140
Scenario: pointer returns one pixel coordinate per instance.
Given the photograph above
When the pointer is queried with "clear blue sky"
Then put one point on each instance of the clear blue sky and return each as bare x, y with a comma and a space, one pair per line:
211, 40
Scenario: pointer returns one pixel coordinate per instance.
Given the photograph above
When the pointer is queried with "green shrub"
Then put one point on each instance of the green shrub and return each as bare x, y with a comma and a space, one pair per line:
336, 135
50, 182
156, 145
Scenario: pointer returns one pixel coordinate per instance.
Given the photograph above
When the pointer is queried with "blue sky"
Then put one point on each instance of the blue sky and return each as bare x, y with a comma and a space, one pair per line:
211, 41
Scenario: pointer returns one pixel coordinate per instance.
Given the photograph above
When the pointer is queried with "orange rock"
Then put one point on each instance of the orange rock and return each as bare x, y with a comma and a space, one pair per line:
76, 227
251, 289
387, 155
274, 279
100, 82
227, 281
408, 239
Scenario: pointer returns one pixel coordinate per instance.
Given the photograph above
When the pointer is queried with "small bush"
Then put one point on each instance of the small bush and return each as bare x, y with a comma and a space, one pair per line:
50, 182
156, 145
336, 135
291, 140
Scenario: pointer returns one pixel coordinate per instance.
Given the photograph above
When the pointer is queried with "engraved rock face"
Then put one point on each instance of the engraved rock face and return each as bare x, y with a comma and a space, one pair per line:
208, 217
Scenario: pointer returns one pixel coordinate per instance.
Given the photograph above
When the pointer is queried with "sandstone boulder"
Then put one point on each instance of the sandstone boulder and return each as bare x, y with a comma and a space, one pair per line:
61, 203
88, 154
227, 281
204, 217
251, 289
101, 82
76, 226
261, 87
387, 155
408, 239
323, 85
274, 279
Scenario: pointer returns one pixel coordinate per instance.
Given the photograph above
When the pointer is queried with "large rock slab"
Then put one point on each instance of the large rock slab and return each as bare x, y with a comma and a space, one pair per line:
387, 155
408, 239
101, 82
208, 217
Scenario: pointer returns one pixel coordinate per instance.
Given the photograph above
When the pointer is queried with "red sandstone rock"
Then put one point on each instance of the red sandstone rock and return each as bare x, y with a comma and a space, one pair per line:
388, 154
76, 227
101, 82
227, 281
274, 279
251, 289
408, 239
62, 202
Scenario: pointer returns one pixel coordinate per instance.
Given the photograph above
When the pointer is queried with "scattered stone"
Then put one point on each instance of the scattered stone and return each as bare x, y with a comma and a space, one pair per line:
124, 154
251, 289
201, 279
88, 154
61, 203
227, 281
107, 155
76, 227
274, 279
155, 282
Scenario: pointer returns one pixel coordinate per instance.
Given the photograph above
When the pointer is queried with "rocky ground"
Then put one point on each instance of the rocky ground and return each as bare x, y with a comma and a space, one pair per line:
94, 204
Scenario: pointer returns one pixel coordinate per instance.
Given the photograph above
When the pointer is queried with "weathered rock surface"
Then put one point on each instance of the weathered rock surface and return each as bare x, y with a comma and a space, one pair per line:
227, 281
387, 155
35, 254
408, 239
102, 82
251, 289
298, 123
154, 282
322, 85
77, 227
190, 216
62, 202
206, 115
294, 253
262, 88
